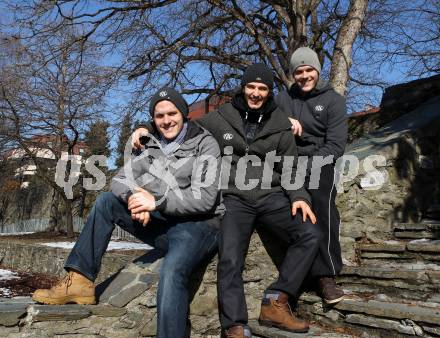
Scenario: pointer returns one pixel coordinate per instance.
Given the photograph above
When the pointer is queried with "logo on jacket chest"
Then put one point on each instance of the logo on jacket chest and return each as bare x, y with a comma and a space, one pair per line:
319, 108
228, 136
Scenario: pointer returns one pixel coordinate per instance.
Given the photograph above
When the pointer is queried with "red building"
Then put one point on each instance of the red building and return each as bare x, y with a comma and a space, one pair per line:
48, 142
200, 108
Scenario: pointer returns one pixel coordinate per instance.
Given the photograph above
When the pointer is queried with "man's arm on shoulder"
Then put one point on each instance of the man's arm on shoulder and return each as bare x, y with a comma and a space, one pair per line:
206, 121
284, 102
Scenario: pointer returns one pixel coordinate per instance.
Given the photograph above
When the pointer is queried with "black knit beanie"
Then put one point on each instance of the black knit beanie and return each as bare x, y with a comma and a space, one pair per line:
169, 94
258, 72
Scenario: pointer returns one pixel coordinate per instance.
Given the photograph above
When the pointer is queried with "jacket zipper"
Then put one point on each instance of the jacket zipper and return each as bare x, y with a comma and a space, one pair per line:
301, 111
245, 137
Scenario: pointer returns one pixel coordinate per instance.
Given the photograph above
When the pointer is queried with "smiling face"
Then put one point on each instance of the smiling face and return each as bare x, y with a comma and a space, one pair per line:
306, 77
256, 94
168, 119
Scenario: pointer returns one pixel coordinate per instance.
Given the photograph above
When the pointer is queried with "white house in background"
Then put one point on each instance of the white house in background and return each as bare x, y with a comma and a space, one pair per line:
42, 146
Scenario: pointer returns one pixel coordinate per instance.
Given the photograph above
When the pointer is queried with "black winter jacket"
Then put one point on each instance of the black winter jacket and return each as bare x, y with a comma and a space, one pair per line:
322, 114
274, 135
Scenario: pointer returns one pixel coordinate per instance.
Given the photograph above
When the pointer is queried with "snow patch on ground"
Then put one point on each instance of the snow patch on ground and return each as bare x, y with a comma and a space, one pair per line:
16, 233
5, 292
112, 245
7, 275
422, 240
412, 266
425, 240
392, 242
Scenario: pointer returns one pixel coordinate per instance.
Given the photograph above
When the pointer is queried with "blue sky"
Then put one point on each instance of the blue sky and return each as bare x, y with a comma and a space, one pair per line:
390, 71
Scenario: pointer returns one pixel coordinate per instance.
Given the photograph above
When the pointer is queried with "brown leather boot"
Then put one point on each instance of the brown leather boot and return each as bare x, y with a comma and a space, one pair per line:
329, 290
277, 313
73, 288
238, 332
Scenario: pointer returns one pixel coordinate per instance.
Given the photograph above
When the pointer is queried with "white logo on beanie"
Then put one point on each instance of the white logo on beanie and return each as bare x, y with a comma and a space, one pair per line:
163, 94
228, 136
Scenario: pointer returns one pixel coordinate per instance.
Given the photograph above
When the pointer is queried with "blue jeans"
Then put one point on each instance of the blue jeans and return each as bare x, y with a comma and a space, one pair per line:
186, 245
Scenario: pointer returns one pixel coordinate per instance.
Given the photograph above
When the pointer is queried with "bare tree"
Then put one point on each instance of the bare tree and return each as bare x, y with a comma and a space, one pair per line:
202, 45
398, 42
51, 91
347, 34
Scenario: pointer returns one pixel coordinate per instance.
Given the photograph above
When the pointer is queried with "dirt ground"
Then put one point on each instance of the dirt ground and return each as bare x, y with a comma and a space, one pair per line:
36, 237
26, 284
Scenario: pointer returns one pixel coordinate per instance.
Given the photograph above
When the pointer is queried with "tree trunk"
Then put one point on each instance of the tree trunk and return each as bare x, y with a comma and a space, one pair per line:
54, 214
82, 203
342, 54
69, 218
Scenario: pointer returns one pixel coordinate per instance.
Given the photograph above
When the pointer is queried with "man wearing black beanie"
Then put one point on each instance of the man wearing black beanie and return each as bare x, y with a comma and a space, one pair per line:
249, 129
252, 129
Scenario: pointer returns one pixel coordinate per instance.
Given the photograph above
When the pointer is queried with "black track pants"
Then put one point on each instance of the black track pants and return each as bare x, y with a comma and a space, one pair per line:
274, 212
328, 261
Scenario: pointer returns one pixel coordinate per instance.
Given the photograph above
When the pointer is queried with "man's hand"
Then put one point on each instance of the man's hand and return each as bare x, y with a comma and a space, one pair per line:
141, 217
305, 210
297, 128
136, 138
141, 201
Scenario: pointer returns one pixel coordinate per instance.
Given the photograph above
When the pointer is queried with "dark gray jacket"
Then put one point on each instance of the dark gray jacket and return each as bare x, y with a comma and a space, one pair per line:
274, 136
323, 117
184, 184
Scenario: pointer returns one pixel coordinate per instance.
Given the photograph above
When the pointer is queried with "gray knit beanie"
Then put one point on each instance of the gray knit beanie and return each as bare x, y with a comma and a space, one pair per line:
305, 56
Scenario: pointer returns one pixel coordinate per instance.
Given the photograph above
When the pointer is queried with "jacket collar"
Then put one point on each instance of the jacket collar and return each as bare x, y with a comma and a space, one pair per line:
277, 122
321, 87
193, 130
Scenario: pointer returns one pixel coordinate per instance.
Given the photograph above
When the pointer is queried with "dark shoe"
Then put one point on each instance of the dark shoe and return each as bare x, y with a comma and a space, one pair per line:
277, 313
329, 291
238, 332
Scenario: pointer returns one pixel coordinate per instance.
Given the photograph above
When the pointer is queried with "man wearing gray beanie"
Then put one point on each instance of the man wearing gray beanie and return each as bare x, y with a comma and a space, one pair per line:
319, 123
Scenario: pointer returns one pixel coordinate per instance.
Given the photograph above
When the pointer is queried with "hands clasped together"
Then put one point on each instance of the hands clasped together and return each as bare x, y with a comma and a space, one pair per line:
140, 204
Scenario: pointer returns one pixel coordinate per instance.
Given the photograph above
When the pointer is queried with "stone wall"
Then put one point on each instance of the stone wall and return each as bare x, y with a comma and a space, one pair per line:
127, 300
43, 259
411, 191
397, 101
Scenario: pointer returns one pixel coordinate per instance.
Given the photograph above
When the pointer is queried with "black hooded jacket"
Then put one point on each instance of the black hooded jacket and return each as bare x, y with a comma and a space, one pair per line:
272, 135
322, 114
